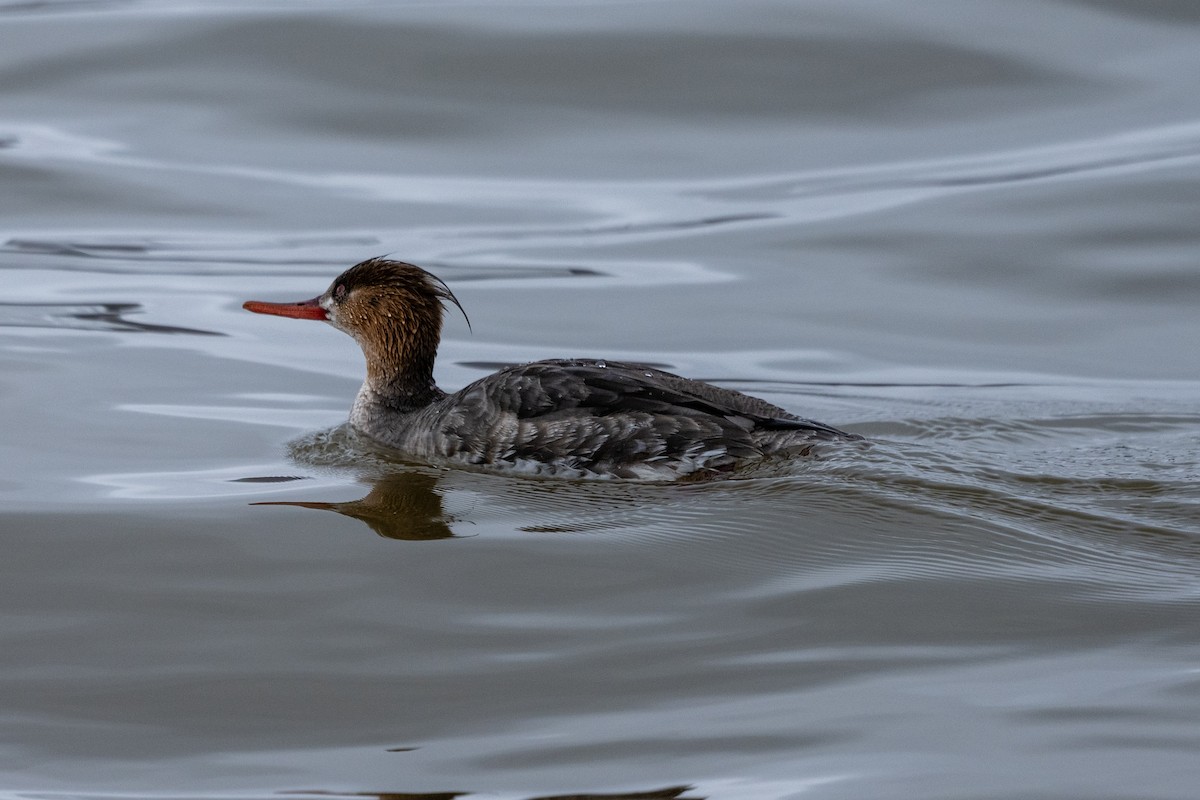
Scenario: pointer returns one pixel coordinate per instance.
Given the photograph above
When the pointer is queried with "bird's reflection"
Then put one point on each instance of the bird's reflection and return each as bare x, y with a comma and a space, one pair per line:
401, 505
408, 501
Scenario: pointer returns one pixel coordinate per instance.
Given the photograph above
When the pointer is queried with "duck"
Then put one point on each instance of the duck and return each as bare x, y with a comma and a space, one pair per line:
573, 417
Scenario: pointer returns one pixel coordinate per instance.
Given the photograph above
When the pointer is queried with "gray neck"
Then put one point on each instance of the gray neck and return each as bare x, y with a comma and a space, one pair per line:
374, 410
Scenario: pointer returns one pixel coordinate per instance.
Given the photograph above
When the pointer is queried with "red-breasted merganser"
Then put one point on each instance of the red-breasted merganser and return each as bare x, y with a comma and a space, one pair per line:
566, 417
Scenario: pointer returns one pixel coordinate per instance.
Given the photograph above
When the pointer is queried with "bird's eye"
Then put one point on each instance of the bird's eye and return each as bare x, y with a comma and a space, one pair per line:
339, 291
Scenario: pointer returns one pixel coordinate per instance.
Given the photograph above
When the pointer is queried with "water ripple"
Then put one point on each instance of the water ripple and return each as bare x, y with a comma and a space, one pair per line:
930, 506
625, 209
86, 317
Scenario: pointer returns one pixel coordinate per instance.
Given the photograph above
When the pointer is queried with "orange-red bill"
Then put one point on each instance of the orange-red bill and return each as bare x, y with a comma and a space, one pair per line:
309, 309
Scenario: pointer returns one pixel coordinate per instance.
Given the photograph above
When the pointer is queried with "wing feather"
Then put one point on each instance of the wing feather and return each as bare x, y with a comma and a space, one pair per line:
590, 413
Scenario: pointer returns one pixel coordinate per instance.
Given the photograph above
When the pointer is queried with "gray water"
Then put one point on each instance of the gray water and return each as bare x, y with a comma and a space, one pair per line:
966, 230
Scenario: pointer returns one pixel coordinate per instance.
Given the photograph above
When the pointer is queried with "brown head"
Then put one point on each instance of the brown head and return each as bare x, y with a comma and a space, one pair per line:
394, 311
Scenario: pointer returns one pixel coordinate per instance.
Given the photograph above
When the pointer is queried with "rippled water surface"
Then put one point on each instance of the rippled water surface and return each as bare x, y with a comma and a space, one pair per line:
965, 230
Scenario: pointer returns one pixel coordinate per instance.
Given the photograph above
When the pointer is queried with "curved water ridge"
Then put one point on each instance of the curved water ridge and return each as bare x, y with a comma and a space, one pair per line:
625, 209
832, 194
